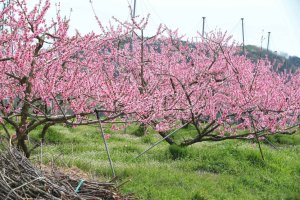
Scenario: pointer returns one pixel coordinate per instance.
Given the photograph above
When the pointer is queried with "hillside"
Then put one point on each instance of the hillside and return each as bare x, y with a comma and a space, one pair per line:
289, 63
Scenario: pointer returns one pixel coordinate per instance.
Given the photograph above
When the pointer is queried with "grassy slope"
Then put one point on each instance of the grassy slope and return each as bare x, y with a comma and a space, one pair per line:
223, 170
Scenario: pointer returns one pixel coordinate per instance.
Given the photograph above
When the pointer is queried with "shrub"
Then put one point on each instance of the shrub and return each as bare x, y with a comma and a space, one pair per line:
285, 139
140, 131
178, 152
198, 196
148, 139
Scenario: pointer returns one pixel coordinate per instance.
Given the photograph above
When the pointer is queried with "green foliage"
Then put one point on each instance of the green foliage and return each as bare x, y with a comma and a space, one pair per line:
62, 135
178, 152
148, 139
129, 148
198, 196
55, 136
285, 139
188, 132
140, 131
255, 160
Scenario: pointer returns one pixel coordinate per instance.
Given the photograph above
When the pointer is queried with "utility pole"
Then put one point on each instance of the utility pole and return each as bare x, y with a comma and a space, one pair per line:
269, 33
203, 24
243, 35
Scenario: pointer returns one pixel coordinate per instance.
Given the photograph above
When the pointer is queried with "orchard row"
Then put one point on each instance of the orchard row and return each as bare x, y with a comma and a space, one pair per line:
49, 77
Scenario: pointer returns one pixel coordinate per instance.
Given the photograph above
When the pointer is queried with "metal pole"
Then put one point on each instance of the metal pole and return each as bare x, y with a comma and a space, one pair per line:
159, 141
105, 143
134, 7
269, 33
203, 24
243, 35
126, 122
132, 16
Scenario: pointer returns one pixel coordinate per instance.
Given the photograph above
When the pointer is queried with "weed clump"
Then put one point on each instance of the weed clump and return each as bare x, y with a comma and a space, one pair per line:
178, 152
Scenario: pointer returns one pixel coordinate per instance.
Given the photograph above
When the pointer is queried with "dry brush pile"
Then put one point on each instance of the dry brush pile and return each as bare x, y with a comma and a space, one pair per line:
19, 179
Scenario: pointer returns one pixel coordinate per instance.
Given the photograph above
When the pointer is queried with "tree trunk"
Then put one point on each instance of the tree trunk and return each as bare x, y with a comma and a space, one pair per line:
22, 146
44, 131
168, 139
184, 122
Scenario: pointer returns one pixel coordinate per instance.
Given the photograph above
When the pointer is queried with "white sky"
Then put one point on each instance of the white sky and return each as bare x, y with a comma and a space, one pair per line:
280, 17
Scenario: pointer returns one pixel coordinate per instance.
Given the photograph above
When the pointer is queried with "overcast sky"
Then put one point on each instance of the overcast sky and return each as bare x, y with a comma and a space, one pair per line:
280, 17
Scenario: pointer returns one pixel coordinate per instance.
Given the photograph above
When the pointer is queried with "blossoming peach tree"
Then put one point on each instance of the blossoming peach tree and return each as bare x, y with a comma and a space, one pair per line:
210, 85
49, 77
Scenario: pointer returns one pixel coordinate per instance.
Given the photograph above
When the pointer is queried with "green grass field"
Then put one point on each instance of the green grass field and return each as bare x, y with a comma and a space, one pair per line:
208, 170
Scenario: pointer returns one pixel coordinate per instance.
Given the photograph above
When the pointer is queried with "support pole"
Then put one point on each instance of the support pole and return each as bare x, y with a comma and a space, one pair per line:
126, 122
243, 35
105, 143
159, 141
132, 16
203, 25
134, 7
269, 33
